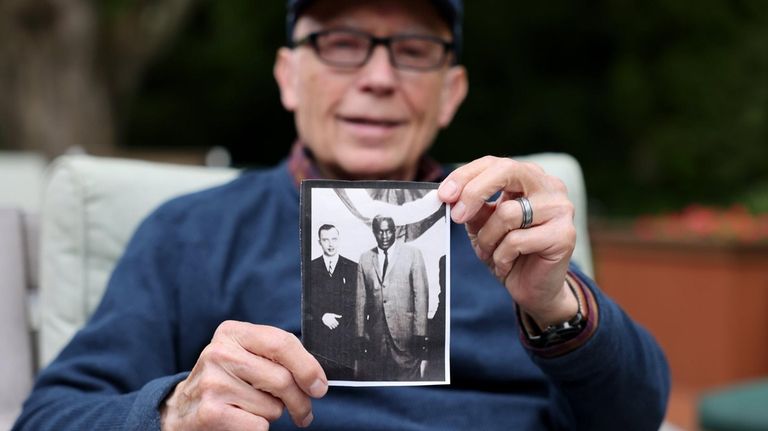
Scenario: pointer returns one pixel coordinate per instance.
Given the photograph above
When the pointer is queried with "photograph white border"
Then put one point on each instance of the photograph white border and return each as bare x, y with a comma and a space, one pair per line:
311, 221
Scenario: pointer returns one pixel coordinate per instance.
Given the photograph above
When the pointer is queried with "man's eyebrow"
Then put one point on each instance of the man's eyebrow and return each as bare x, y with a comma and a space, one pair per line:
350, 24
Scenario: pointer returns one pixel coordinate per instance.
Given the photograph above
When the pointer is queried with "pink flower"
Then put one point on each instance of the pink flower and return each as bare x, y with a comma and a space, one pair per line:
697, 222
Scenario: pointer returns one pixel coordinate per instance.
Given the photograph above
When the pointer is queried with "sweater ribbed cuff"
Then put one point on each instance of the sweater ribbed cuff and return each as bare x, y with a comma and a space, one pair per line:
145, 412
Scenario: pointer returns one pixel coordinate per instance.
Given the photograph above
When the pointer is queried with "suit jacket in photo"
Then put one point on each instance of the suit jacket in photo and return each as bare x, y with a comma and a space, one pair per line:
332, 293
402, 296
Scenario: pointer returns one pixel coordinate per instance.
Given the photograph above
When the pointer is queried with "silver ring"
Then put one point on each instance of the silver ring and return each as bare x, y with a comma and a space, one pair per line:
525, 204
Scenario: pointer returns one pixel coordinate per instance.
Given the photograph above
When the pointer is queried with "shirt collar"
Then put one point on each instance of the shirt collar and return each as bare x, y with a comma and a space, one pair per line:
332, 260
302, 166
390, 251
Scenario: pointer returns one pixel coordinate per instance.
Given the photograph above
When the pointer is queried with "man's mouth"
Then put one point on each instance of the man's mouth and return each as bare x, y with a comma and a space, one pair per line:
371, 132
372, 121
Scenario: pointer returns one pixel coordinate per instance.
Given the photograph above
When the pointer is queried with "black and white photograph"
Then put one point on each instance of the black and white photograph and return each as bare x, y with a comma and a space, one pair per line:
375, 281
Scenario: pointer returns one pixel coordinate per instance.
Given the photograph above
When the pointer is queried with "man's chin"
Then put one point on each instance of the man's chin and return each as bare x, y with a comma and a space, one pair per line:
366, 166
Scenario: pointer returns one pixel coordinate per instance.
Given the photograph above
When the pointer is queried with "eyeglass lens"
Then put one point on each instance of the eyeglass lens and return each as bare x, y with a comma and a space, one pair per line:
352, 49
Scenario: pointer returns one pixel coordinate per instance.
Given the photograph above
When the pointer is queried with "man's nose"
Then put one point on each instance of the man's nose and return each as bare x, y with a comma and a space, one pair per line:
378, 74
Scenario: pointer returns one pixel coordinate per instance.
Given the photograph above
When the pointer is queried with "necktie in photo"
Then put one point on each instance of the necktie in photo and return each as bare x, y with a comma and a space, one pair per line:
386, 262
330, 268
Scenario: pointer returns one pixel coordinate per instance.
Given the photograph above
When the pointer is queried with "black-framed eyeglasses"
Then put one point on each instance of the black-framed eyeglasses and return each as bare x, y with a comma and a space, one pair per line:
352, 49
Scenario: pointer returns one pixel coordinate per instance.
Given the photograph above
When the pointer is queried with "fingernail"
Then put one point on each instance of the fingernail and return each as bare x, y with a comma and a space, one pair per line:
498, 272
501, 270
448, 188
482, 254
458, 211
318, 389
307, 420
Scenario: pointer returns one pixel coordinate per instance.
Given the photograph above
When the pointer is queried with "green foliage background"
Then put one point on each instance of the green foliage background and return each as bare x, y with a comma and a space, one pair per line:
663, 102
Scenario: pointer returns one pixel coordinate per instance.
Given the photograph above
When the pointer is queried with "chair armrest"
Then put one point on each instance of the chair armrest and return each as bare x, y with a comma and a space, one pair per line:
16, 362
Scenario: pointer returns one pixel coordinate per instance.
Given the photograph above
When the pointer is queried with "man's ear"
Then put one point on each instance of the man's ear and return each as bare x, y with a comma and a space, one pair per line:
455, 88
285, 75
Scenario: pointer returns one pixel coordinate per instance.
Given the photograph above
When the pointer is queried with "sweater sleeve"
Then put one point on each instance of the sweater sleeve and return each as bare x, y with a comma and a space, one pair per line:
618, 379
119, 367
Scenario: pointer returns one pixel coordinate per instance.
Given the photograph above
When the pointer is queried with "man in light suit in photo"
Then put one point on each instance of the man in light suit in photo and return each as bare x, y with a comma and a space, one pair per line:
392, 305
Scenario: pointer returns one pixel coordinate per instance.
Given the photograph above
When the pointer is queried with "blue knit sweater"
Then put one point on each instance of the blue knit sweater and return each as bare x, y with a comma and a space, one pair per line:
232, 252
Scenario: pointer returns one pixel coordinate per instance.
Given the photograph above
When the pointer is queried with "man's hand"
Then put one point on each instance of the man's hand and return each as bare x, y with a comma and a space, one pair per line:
530, 262
244, 379
331, 320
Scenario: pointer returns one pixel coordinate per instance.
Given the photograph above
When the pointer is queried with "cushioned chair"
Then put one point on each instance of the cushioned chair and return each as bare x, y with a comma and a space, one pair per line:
92, 206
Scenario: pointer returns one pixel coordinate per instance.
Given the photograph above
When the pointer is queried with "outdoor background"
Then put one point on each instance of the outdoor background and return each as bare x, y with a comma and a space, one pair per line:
663, 102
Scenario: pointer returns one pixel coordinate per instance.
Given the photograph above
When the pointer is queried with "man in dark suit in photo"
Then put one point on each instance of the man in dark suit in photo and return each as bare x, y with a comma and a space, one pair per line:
332, 306
436, 331
392, 306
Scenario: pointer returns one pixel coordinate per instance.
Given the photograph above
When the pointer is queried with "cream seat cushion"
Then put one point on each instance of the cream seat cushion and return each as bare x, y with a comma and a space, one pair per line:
92, 206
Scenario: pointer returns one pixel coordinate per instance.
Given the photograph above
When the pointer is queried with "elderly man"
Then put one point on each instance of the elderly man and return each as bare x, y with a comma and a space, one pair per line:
392, 304
197, 329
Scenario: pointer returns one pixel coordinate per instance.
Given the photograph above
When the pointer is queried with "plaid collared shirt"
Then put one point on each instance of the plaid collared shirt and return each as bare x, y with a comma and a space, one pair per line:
302, 166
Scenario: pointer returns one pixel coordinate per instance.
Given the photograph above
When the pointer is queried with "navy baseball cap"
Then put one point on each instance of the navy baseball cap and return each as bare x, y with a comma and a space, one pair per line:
451, 10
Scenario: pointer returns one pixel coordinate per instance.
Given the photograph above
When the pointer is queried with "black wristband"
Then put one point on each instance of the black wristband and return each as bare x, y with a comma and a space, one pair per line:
557, 333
